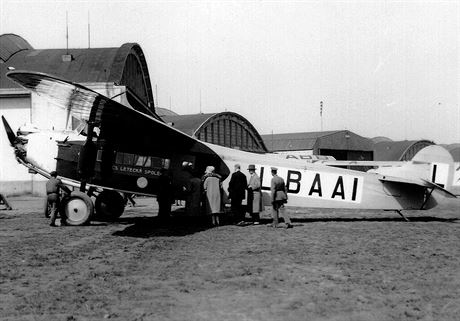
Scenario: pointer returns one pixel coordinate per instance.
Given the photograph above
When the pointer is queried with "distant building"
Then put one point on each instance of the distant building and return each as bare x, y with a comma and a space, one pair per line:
119, 73
225, 129
341, 144
454, 150
398, 151
164, 112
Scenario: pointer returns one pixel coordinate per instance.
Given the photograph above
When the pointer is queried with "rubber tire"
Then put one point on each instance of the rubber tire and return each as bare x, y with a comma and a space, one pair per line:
78, 208
110, 205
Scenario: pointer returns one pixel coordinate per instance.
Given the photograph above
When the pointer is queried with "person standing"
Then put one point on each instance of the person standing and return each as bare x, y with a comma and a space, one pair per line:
164, 196
212, 186
53, 188
192, 191
236, 192
279, 198
254, 195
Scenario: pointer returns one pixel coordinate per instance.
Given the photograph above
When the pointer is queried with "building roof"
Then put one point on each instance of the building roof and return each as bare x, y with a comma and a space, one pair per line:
125, 65
198, 124
398, 151
336, 139
379, 139
188, 124
164, 112
454, 150
10, 44
88, 65
294, 141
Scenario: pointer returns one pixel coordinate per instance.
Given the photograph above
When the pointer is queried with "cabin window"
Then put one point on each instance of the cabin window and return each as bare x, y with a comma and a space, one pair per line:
99, 155
140, 161
128, 159
148, 162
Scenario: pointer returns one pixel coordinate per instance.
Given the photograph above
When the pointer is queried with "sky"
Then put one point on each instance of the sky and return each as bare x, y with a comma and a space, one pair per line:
381, 68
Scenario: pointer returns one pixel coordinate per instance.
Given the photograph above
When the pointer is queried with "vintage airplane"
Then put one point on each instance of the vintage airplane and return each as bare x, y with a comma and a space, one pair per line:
123, 150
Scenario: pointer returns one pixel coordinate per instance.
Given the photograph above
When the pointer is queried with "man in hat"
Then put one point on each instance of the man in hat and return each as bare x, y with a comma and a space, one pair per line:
254, 196
236, 192
53, 188
279, 198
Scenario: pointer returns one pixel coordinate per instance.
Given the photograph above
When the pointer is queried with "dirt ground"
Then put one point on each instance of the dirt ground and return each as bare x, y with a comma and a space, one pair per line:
333, 265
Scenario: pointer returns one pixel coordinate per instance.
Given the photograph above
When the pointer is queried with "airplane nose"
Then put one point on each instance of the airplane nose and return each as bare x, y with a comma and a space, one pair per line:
9, 132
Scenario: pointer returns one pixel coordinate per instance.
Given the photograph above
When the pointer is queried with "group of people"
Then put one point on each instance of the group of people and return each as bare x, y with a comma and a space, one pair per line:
206, 190
239, 186
209, 192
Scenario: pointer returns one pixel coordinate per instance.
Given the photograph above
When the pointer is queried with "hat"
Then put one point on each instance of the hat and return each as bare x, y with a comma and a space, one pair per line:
274, 168
252, 167
210, 169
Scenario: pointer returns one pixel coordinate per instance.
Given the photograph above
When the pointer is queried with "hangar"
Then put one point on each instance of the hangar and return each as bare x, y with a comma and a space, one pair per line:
341, 144
454, 150
120, 73
387, 150
226, 129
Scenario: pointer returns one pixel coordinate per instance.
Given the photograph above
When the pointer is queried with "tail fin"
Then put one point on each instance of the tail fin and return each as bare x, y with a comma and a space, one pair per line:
441, 165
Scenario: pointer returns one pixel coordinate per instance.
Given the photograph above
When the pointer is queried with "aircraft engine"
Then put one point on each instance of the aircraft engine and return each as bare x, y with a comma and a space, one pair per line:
41, 150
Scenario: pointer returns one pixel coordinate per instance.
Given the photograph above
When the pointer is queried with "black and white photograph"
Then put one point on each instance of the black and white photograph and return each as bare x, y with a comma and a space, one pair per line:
230, 160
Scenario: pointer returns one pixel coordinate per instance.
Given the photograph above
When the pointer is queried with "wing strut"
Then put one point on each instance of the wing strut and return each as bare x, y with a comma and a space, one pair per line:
402, 215
427, 197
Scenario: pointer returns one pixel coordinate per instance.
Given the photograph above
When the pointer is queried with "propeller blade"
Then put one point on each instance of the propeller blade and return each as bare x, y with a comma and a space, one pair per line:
9, 132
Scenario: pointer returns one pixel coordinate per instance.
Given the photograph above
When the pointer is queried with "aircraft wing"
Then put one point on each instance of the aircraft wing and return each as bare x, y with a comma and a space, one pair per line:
122, 127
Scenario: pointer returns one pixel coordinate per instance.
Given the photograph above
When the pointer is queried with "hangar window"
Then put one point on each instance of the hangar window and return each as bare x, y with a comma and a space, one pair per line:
221, 132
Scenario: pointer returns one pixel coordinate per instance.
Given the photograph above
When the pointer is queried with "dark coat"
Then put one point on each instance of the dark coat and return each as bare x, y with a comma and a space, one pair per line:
237, 186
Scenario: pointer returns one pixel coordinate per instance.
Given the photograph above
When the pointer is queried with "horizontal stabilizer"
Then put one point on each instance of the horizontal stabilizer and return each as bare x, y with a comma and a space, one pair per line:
436, 186
402, 180
419, 182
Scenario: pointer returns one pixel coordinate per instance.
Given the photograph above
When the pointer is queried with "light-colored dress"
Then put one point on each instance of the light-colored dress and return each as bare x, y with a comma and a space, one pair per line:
211, 188
254, 183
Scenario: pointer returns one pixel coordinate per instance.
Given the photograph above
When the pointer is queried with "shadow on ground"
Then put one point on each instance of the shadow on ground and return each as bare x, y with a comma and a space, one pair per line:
146, 227
376, 219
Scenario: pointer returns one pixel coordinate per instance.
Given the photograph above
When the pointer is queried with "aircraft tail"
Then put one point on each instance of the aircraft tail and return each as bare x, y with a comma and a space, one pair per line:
441, 162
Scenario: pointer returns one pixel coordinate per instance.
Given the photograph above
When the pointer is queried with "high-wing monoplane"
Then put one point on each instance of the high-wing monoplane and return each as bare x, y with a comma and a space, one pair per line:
124, 150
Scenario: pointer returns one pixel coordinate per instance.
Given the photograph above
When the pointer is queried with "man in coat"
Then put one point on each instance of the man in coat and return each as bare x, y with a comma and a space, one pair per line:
254, 196
279, 198
164, 197
192, 191
236, 192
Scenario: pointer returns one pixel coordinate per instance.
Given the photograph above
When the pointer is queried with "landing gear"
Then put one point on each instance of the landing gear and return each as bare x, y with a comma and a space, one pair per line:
77, 208
109, 205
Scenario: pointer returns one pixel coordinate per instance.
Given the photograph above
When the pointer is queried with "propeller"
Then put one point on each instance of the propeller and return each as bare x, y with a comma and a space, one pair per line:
9, 132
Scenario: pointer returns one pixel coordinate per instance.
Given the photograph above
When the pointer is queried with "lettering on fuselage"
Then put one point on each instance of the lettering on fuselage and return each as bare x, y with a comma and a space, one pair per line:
137, 171
314, 184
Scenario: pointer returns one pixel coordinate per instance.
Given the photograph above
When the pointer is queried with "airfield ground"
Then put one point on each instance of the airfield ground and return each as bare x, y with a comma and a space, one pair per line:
333, 265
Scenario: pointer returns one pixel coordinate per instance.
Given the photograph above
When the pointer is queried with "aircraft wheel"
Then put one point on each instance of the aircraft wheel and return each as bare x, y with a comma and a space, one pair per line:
109, 205
77, 208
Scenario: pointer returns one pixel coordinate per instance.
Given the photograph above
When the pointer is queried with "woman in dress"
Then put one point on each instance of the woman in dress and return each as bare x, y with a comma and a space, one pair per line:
212, 189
